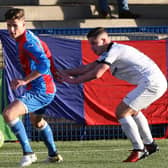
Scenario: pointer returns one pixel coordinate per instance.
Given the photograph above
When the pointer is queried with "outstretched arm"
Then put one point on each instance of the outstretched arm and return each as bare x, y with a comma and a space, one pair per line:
79, 70
94, 73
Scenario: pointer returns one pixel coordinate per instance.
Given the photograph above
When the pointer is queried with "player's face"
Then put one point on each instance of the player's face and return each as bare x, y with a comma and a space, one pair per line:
15, 27
97, 44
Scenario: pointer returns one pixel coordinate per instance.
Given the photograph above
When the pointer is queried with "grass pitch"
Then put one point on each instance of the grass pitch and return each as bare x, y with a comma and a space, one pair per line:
85, 154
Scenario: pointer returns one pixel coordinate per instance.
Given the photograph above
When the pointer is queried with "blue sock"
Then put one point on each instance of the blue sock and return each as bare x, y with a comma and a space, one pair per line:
19, 130
47, 136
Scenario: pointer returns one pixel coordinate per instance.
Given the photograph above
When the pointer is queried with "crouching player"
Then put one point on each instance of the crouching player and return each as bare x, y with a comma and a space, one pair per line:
129, 64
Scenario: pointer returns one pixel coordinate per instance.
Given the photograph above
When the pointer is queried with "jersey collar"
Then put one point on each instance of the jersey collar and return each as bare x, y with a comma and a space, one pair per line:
109, 46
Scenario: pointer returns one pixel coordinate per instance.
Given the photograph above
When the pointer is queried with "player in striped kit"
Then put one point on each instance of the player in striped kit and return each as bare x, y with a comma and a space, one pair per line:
35, 59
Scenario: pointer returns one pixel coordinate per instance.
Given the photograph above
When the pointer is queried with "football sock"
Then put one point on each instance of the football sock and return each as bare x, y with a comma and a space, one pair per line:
130, 129
19, 130
47, 136
144, 129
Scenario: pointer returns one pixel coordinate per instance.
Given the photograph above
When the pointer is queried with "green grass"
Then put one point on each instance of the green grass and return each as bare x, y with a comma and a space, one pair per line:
86, 154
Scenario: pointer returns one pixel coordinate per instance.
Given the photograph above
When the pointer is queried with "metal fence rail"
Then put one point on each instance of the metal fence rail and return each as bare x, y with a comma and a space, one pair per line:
66, 130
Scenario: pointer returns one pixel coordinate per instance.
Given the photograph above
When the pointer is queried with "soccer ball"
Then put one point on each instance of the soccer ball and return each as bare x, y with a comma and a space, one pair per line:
1, 138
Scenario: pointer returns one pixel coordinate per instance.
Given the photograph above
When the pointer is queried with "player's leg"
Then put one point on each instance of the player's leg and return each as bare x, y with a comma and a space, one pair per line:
124, 114
47, 136
145, 133
11, 116
149, 94
28, 102
143, 126
140, 98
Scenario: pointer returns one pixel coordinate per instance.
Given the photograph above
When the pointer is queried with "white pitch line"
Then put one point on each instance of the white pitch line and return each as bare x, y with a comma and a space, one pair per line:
18, 153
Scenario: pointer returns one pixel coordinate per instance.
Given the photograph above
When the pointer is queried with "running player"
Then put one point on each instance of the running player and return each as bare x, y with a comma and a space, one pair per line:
34, 57
129, 64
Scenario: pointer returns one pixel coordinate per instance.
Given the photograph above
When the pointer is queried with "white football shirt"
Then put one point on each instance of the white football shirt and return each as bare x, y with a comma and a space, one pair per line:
129, 64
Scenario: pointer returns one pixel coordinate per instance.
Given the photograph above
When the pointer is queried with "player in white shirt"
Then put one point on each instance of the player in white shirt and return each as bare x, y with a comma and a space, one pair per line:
129, 64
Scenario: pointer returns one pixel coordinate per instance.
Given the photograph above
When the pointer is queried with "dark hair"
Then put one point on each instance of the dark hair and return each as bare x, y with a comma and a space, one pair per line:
95, 32
14, 13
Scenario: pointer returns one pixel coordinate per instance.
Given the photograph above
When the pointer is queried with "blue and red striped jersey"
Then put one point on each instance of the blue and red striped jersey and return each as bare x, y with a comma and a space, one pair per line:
34, 54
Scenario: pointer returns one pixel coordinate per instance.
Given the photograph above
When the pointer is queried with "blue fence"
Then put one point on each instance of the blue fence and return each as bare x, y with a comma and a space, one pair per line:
83, 31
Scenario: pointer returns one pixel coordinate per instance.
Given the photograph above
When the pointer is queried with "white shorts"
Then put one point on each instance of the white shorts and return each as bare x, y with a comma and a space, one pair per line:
145, 94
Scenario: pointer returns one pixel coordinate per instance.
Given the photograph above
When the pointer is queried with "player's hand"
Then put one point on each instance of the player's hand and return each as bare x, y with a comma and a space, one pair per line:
69, 79
17, 83
59, 75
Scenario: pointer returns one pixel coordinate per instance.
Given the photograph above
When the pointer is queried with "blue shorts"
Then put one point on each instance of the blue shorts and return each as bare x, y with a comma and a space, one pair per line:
35, 101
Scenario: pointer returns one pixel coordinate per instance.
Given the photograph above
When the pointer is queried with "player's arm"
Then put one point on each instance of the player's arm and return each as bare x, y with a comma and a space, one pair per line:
22, 82
96, 72
42, 65
81, 70
37, 54
49, 56
32, 76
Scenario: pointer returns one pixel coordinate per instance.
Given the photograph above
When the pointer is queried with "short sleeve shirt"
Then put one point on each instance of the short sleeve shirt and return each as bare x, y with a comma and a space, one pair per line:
129, 64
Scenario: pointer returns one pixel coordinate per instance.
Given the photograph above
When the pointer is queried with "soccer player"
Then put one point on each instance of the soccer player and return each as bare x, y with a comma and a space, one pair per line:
129, 64
35, 59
